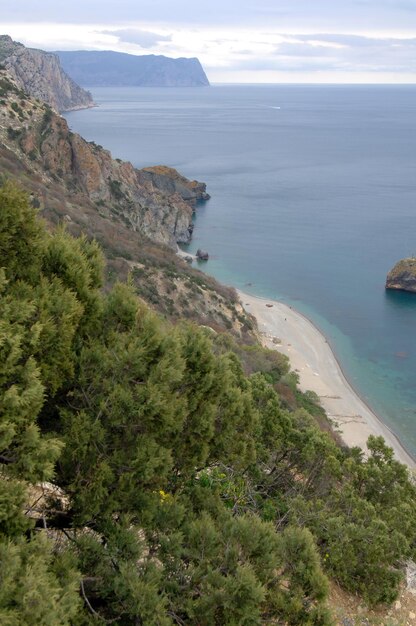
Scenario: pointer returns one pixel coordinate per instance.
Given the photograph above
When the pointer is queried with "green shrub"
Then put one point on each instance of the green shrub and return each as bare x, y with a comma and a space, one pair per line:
13, 133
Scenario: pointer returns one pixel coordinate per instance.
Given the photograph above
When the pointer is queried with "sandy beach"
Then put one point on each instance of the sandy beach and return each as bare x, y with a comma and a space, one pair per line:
313, 360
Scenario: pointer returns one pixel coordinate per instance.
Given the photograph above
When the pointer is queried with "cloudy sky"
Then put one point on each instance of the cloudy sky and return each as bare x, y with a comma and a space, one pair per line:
240, 41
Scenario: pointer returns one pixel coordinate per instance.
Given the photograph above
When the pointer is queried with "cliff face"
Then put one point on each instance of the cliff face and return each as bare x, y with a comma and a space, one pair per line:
158, 203
170, 181
116, 69
130, 212
40, 75
403, 275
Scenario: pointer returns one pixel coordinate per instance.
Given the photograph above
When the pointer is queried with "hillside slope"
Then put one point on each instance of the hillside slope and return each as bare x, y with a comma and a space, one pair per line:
43, 140
136, 215
184, 492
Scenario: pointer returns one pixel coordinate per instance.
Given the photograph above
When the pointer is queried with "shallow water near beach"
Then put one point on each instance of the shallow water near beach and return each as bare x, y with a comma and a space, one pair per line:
313, 201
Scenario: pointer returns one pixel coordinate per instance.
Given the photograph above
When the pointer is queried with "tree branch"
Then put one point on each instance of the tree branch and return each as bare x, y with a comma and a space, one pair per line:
4, 460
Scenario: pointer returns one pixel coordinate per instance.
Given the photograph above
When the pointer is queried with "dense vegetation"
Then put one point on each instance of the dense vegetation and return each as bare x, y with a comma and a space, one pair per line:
182, 490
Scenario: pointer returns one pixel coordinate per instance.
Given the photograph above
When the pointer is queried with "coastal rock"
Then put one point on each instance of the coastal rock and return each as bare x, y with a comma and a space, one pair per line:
78, 184
158, 203
40, 74
169, 180
202, 255
403, 275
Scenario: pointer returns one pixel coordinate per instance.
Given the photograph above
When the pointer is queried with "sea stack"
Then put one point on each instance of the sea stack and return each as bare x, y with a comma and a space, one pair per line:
202, 255
403, 275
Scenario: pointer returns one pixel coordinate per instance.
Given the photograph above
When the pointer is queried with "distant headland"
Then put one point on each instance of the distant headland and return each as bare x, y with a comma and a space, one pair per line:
117, 69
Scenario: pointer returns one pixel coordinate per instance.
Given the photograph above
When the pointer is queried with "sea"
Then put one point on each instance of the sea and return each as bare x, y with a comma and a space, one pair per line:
313, 200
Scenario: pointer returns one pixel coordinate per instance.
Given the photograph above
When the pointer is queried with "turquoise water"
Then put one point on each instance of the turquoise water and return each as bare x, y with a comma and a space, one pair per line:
313, 200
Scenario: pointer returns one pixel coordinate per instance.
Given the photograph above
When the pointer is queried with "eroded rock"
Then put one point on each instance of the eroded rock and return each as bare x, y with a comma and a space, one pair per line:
202, 255
403, 275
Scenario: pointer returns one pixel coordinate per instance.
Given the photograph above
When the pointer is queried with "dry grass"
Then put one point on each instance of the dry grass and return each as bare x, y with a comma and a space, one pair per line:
349, 610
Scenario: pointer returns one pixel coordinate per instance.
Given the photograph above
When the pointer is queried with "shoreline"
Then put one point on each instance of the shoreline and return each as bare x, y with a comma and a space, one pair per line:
285, 329
81, 107
184, 254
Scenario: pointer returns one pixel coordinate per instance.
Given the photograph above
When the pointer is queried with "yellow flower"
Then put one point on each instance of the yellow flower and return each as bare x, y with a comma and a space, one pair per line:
164, 496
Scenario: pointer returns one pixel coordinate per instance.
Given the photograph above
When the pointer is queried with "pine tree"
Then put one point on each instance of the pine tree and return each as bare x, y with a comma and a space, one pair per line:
190, 493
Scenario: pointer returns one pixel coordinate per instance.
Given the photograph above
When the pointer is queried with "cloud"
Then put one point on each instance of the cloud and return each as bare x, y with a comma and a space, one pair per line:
282, 64
295, 15
308, 49
332, 53
142, 38
358, 41
249, 53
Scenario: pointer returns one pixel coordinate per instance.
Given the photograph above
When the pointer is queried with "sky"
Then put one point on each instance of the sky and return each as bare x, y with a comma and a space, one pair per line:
240, 41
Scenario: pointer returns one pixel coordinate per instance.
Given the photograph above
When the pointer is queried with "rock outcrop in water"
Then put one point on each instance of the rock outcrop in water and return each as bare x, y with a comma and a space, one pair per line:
107, 68
40, 74
403, 275
202, 255
157, 202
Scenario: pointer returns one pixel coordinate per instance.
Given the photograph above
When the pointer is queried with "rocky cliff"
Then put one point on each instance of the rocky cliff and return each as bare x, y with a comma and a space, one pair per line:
40, 74
117, 69
132, 213
170, 181
158, 203
403, 275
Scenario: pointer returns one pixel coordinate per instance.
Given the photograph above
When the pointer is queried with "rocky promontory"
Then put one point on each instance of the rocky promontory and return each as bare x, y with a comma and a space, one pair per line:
40, 74
137, 216
157, 202
403, 275
170, 181
107, 68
